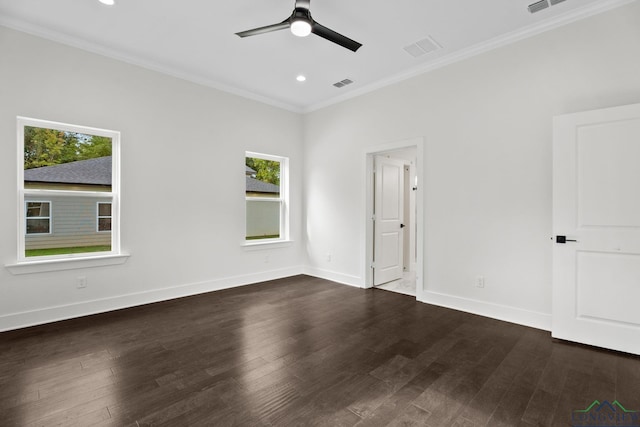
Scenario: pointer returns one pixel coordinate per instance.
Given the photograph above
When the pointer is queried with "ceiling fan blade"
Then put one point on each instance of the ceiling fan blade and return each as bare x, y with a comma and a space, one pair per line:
267, 29
329, 34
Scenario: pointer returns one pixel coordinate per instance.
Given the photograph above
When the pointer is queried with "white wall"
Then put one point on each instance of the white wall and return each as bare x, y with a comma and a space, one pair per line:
182, 213
487, 126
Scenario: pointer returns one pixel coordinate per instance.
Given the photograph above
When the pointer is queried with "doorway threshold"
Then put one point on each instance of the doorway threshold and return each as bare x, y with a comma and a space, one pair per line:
406, 285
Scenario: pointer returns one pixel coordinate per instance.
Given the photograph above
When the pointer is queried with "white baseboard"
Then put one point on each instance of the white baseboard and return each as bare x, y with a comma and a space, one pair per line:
510, 314
344, 279
506, 313
53, 314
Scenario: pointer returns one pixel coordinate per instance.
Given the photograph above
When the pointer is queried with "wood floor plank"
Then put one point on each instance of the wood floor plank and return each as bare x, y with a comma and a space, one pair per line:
572, 398
301, 351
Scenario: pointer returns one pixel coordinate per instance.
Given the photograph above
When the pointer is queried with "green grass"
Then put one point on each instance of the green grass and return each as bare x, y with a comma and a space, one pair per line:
273, 236
66, 251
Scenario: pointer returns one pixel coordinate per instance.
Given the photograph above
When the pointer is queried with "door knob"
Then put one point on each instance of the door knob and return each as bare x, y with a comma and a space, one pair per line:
401, 225
563, 239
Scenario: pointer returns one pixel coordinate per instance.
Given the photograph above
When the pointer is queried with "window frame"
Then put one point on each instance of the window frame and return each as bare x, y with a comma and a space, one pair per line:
99, 217
283, 200
39, 194
27, 218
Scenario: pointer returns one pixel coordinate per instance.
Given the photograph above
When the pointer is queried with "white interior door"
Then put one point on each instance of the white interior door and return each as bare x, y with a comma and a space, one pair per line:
596, 208
388, 222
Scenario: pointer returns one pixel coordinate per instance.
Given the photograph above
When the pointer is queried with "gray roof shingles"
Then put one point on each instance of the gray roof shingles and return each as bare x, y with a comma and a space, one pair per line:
98, 172
93, 172
256, 186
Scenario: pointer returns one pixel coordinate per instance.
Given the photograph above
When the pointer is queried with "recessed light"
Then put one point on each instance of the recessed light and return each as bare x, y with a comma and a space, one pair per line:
108, 2
301, 78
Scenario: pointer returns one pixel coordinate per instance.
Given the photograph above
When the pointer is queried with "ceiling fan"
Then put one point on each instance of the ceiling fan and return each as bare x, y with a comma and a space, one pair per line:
302, 24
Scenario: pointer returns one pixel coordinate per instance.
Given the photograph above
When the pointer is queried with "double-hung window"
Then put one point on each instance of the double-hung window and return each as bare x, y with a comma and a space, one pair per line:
68, 189
38, 217
266, 195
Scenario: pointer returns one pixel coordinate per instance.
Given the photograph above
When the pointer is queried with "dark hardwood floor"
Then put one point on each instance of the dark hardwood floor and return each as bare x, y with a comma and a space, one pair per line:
301, 351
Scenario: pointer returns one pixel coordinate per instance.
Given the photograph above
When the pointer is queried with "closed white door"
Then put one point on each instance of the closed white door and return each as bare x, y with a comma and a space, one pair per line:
596, 222
388, 220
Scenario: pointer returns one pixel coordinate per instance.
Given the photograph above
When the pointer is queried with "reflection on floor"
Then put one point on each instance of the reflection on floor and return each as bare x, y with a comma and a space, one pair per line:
406, 285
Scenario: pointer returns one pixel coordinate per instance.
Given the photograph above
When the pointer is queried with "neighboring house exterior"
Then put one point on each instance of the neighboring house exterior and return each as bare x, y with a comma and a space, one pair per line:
257, 188
263, 217
61, 221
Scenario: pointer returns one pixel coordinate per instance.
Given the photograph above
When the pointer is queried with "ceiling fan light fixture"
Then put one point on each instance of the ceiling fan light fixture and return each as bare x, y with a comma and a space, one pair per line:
301, 24
300, 28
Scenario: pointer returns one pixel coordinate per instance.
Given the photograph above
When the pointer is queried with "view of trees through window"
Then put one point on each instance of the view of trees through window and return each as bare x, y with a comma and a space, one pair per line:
264, 202
48, 147
265, 170
67, 192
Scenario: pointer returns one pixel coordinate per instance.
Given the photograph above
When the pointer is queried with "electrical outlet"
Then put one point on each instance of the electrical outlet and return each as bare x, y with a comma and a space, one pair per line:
266, 259
480, 282
328, 257
81, 282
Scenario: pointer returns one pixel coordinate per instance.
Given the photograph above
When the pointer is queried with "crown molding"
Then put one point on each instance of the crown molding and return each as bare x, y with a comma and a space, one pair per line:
98, 49
477, 49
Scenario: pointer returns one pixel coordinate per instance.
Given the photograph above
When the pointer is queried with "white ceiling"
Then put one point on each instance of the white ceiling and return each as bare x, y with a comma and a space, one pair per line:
195, 39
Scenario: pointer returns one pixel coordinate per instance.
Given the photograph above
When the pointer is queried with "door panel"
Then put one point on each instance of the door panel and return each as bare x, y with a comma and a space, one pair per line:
389, 247
596, 202
389, 215
391, 191
608, 174
597, 302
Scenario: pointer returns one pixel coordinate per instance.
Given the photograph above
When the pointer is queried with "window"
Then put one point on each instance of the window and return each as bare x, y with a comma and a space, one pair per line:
38, 217
266, 195
69, 191
104, 217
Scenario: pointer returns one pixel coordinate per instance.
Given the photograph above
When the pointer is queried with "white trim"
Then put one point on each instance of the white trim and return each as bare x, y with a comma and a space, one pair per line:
283, 199
22, 214
530, 31
113, 195
475, 50
419, 144
48, 124
264, 199
87, 260
63, 312
264, 156
263, 244
344, 279
505, 313
95, 48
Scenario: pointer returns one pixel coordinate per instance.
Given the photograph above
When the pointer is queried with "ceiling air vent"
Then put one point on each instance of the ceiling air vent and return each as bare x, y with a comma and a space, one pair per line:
422, 47
538, 6
343, 83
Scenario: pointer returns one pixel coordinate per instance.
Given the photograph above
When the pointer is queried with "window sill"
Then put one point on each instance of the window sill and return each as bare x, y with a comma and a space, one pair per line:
258, 245
29, 267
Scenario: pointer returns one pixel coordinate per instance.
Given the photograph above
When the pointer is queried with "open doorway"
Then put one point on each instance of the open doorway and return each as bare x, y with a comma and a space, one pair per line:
394, 218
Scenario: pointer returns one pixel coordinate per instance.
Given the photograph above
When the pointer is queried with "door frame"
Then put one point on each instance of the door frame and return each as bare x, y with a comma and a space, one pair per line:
369, 155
